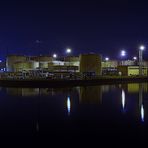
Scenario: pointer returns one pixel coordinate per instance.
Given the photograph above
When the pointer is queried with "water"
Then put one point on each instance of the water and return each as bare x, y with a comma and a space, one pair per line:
92, 115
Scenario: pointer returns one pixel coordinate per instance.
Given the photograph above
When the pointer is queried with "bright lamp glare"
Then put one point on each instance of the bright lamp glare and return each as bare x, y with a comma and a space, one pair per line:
54, 55
68, 50
134, 58
142, 47
106, 59
123, 53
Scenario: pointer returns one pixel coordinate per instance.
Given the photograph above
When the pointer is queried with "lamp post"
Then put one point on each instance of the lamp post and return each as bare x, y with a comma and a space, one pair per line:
135, 60
68, 51
122, 54
141, 49
106, 64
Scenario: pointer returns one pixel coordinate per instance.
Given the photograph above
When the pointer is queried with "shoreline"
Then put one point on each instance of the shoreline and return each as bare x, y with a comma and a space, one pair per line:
44, 83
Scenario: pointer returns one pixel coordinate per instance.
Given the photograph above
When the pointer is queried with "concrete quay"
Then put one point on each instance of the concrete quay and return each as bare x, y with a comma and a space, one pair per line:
44, 83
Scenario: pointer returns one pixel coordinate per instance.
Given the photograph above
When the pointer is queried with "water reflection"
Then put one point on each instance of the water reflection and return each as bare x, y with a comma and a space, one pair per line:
123, 100
141, 86
94, 95
68, 105
90, 95
142, 113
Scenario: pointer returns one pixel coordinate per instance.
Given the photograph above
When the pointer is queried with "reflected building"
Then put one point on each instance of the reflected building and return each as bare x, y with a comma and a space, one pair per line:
39, 91
141, 106
91, 95
134, 87
139, 89
23, 91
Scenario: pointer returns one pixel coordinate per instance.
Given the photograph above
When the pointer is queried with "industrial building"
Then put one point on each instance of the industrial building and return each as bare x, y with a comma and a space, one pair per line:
16, 63
90, 63
86, 64
131, 70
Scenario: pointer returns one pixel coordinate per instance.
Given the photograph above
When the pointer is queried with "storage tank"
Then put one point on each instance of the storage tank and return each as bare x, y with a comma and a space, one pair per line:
72, 61
11, 59
43, 65
90, 63
45, 58
19, 66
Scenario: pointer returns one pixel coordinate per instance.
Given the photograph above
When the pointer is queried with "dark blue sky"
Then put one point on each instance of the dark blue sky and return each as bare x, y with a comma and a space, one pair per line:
41, 27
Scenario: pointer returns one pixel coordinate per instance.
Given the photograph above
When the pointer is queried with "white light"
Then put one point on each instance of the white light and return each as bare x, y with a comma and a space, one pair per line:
142, 113
106, 59
123, 99
134, 58
54, 55
68, 105
123, 53
68, 50
142, 47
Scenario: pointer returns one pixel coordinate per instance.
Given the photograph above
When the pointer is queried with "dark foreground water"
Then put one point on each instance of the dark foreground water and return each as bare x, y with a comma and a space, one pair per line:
87, 116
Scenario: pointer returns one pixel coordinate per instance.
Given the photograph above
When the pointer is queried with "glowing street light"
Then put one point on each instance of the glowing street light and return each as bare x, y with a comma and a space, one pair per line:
123, 53
107, 59
142, 47
54, 55
68, 50
134, 58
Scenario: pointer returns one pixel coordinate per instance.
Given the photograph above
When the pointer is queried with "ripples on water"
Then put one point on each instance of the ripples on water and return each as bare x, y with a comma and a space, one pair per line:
86, 115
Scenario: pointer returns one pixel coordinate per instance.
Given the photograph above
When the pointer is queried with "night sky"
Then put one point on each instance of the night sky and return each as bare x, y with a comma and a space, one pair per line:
44, 27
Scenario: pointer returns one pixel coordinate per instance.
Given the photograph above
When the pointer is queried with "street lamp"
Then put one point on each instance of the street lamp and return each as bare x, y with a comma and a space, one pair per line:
141, 49
54, 55
122, 54
134, 58
68, 51
107, 59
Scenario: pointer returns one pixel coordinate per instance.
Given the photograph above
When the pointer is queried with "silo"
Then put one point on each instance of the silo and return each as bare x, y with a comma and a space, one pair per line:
43, 65
12, 59
45, 58
72, 61
90, 63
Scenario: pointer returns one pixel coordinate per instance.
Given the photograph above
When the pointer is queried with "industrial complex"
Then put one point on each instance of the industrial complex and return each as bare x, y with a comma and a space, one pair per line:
90, 64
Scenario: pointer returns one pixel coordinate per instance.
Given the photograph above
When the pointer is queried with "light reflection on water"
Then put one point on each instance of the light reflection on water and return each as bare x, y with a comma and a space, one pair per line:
68, 105
123, 99
118, 111
93, 95
142, 113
